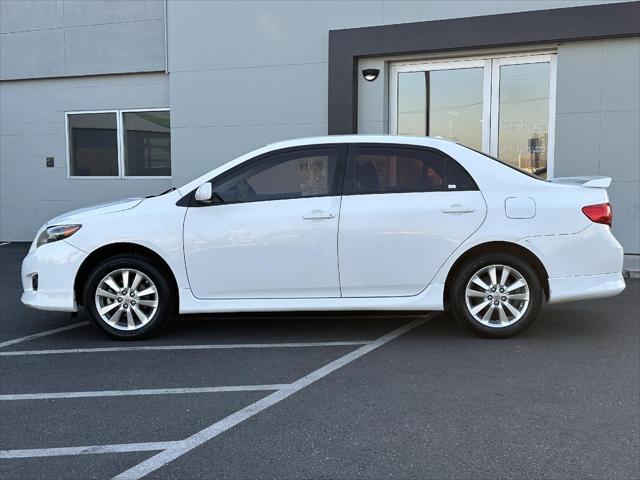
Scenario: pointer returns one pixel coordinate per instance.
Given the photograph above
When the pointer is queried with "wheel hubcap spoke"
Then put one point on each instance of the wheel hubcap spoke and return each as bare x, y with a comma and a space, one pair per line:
146, 292
478, 308
116, 317
104, 293
504, 276
148, 303
504, 320
112, 283
515, 285
493, 275
480, 283
136, 281
494, 305
115, 302
514, 311
475, 293
519, 296
107, 308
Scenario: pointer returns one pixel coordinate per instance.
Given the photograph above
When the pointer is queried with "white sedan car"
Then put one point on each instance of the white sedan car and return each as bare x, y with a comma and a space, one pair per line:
335, 223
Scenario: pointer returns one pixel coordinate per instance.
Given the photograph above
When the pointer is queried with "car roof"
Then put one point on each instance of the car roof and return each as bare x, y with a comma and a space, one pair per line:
333, 139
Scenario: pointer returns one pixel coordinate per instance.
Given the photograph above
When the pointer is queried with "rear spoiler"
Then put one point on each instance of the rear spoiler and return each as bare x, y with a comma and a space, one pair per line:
593, 182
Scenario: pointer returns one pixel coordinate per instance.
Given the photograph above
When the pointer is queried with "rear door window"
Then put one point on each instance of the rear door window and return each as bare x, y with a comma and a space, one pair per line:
391, 169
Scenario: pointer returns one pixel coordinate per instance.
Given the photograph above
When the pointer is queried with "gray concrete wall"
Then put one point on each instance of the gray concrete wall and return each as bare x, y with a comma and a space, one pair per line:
246, 73
53, 38
598, 124
32, 127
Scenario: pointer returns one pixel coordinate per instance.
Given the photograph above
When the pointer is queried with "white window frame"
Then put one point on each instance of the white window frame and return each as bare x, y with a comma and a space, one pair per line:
120, 145
491, 89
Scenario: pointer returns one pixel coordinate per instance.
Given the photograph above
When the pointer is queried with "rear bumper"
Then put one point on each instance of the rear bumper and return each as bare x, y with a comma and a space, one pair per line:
56, 265
584, 287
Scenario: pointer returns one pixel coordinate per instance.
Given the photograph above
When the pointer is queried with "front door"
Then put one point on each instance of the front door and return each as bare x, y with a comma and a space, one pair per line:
272, 231
404, 211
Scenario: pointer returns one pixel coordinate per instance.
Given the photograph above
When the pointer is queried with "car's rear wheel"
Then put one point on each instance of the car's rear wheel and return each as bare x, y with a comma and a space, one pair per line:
496, 295
128, 297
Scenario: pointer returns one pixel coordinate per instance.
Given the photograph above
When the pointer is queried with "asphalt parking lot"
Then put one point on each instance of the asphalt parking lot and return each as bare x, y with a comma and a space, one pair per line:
320, 396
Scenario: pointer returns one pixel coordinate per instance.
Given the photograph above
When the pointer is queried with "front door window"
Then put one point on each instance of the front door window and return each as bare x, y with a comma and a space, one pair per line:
501, 106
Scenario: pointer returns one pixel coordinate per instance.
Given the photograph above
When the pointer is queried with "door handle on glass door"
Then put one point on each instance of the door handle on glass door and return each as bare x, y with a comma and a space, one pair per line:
318, 215
458, 209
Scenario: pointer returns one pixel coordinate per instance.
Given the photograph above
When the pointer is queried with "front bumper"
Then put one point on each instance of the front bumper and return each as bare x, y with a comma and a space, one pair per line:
56, 265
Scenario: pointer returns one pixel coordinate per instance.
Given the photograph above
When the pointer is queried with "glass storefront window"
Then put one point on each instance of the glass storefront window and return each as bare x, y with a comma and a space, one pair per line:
523, 122
501, 106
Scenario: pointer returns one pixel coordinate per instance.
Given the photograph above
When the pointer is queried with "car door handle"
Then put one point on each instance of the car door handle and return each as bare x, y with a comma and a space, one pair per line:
458, 209
318, 215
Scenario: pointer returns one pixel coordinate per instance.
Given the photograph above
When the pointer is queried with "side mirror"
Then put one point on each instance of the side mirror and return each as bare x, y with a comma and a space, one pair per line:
204, 193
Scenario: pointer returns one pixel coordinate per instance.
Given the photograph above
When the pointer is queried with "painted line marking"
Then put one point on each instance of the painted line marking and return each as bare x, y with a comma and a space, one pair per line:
151, 391
88, 450
182, 347
169, 451
42, 334
184, 446
2, 244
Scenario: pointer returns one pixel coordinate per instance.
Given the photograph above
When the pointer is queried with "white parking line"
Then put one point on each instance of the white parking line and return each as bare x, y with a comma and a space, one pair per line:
151, 391
182, 347
42, 334
169, 451
89, 450
178, 449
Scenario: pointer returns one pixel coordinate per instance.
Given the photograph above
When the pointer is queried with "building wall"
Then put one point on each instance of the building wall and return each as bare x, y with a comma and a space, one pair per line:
56, 38
248, 73
32, 127
598, 124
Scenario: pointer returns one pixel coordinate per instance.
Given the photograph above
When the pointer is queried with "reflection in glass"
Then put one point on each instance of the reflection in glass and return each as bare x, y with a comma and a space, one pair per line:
412, 104
93, 143
442, 103
147, 140
524, 116
455, 105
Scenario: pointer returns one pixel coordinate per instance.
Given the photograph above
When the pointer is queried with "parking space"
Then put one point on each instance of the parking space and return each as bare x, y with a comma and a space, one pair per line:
330, 396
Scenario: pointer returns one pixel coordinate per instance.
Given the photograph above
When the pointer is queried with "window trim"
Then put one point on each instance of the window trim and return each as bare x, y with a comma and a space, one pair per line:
347, 188
491, 85
120, 145
342, 148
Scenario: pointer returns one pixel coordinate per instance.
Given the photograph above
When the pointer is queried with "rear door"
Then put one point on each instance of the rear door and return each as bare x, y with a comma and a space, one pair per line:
404, 211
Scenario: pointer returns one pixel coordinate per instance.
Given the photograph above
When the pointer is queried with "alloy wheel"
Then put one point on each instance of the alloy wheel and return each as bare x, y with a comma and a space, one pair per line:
497, 296
126, 299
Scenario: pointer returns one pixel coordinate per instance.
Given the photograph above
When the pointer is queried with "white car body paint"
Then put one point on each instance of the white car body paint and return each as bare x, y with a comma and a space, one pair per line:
299, 263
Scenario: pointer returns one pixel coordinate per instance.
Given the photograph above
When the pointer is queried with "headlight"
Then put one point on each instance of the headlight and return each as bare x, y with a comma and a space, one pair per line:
55, 233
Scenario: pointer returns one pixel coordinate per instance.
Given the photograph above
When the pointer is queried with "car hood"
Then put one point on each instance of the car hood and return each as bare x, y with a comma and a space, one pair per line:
100, 209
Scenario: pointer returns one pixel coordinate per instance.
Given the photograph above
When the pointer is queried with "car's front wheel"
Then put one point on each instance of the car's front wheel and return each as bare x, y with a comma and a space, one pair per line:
128, 297
496, 295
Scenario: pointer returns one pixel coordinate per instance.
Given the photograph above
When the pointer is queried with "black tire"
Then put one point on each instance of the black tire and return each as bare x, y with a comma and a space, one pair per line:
457, 299
165, 297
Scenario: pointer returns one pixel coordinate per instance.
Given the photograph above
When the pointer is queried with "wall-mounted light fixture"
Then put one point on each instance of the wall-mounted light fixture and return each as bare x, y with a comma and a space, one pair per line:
370, 74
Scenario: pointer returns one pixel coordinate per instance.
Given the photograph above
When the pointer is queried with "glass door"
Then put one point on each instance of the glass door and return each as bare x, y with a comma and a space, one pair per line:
523, 112
503, 106
445, 99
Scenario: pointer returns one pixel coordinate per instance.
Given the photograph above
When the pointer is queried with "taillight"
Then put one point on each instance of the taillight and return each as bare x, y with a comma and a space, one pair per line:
600, 213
